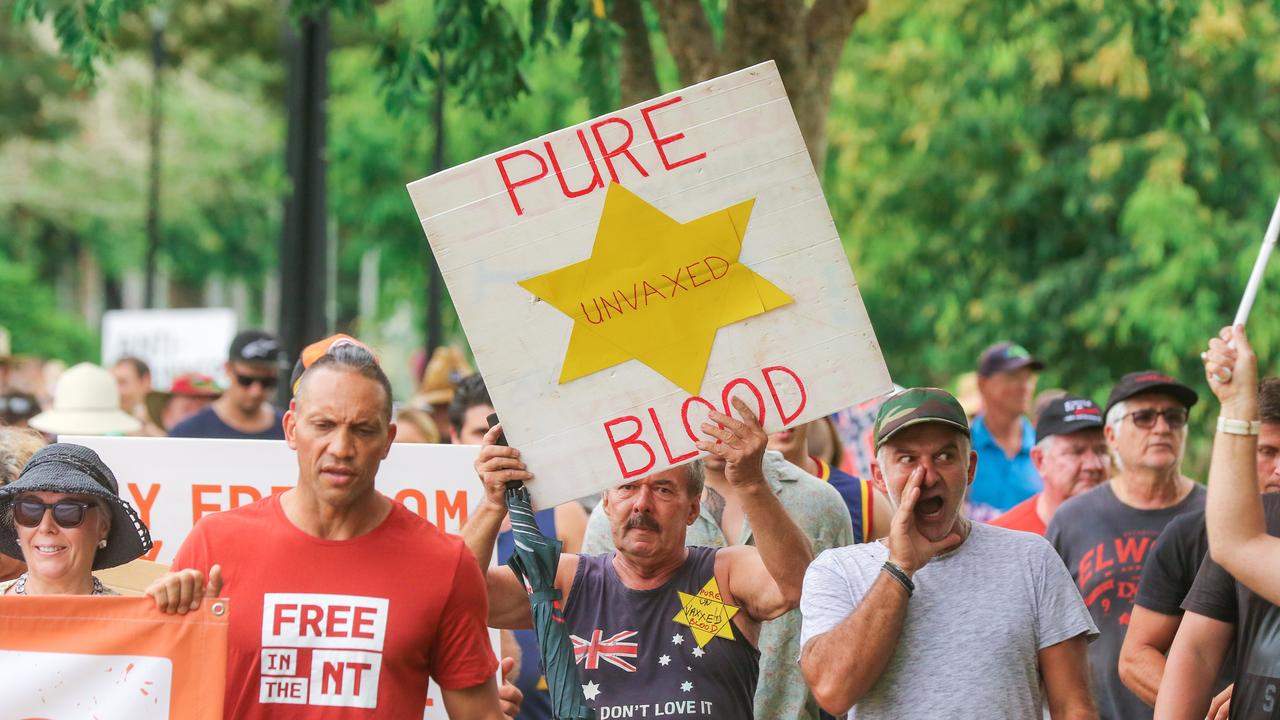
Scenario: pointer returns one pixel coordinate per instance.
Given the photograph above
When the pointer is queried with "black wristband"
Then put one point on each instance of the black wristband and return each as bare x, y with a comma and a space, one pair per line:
898, 574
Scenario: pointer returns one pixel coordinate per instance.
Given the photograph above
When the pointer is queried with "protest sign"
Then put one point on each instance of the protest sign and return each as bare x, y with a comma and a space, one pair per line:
171, 342
173, 482
80, 657
618, 278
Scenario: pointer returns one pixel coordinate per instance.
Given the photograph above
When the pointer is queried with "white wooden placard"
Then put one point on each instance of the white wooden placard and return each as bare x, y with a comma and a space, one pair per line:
536, 207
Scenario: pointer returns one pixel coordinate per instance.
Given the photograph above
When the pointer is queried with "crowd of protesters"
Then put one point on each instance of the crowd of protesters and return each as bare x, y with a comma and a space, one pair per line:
993, 556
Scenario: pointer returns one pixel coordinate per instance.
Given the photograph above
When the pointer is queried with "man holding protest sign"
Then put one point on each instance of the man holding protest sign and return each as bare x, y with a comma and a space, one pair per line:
996, 614
814, 507
676, 627
335, 622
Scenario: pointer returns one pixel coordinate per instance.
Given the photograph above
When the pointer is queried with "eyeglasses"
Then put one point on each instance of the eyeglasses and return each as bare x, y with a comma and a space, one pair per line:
66, 513
1146, 419
246, 381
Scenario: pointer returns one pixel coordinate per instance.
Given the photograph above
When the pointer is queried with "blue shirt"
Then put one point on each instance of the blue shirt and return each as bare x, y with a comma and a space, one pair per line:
1001, 481
207, 424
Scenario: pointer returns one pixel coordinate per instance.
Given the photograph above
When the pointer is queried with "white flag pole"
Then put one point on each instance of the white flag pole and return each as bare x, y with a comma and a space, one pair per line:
1259, 267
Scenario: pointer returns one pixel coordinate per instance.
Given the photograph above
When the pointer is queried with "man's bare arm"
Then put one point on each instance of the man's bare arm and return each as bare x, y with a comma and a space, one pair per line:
841, 665
508, 601
1238, 539
1064, 667
479, 701
1142, 658
1194, 662
767, 580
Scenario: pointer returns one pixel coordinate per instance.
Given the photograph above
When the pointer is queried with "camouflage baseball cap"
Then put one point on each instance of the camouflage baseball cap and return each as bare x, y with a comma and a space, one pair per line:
916, 406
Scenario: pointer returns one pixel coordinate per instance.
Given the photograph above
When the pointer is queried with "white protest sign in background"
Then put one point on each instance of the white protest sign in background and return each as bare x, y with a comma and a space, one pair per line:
173, 482
618, 278
171, 342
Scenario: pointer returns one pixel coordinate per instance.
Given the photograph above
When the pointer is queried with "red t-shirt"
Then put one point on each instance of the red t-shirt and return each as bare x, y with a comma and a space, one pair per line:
1022, 516
342, 629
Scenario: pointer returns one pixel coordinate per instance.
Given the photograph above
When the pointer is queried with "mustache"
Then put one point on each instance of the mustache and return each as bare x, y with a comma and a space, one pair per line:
642, 521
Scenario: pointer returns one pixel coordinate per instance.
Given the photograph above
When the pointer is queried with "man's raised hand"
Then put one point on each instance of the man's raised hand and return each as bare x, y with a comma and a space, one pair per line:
1232, 370
907, 547
498, 465
740, 443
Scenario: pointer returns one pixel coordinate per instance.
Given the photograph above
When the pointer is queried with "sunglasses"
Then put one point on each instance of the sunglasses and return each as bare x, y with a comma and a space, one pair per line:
247, 381
17, 405
66, 513
1146, 419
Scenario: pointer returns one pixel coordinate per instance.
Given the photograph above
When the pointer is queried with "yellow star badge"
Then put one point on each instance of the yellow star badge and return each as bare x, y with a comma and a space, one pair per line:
655, 290
706, 613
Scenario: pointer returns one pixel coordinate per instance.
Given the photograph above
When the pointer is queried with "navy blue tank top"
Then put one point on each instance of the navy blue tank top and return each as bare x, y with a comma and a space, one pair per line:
671, 652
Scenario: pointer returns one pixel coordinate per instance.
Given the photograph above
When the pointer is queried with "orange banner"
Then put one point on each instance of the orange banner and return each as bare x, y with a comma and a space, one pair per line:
73, 657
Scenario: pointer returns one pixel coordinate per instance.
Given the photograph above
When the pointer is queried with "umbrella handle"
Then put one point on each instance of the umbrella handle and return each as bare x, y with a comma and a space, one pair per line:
502, 440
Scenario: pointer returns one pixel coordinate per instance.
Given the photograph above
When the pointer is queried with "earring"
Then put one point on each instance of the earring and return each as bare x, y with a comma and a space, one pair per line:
102, 543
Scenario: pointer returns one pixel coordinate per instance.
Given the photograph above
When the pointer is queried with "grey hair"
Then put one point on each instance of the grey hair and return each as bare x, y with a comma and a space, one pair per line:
1046, 444
17, 445
351, 358
696, 478
1116, 414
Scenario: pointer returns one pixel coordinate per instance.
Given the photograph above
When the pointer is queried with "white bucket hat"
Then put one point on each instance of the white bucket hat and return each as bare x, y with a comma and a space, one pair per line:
85, 402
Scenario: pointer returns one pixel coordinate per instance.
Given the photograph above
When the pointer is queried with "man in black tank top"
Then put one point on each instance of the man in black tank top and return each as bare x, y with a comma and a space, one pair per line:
661, 630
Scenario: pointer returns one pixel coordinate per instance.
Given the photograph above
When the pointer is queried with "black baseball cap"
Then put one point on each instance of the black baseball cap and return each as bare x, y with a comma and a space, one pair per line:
256, 347
1150, 381
1006, 356
1066, 415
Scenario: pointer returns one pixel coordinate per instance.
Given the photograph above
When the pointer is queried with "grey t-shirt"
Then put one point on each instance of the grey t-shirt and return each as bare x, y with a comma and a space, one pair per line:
1105, 545
970, 642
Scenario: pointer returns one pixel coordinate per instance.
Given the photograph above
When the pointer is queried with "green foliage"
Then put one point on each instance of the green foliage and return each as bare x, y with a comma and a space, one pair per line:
1027, 173
221, 182
484, 45
374, 152
31, 81
29, 311
83, 27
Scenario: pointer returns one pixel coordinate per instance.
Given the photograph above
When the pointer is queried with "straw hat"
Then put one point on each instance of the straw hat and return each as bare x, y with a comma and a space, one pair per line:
448, 365
85, 402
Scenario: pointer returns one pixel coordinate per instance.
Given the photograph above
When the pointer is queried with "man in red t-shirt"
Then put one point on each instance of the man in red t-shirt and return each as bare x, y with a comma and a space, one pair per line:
1071, 456
344, 603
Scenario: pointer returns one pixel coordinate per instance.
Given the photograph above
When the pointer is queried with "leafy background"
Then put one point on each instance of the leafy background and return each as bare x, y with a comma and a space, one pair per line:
1089, 178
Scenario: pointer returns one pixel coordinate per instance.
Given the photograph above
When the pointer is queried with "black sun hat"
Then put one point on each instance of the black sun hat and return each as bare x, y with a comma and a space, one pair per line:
75, 469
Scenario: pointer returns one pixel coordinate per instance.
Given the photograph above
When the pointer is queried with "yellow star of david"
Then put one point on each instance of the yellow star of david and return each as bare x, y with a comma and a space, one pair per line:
706, 613
655, 290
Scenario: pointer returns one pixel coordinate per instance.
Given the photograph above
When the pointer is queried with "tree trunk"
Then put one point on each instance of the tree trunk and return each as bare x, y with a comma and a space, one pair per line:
638, 76
806, 45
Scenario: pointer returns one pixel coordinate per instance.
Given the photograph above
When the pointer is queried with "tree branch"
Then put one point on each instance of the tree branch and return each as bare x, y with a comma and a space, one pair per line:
827, 28
828, 25
638, 76
689, 38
